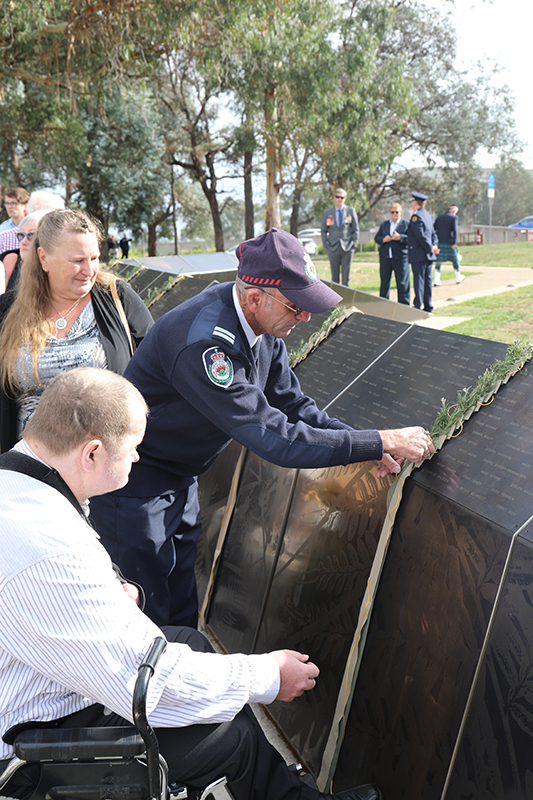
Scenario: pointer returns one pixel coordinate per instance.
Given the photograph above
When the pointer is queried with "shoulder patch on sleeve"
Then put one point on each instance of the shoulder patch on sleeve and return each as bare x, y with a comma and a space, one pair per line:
414, 218
218, 366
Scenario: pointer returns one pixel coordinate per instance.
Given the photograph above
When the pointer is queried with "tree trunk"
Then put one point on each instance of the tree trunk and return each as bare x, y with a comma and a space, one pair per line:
295, 214
273, 213
174, 222
249, 228
152, 238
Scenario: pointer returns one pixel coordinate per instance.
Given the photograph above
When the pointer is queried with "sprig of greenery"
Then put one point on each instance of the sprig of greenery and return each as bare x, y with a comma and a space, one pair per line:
155, 293
470, 399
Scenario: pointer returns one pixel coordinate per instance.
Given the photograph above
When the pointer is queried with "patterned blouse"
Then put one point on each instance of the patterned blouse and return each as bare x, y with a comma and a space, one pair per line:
80, 348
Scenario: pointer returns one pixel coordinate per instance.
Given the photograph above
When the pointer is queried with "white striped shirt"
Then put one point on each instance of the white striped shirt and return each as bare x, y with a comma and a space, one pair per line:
70, 636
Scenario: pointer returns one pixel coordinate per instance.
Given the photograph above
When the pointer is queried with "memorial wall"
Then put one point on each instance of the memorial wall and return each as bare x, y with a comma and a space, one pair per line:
443, 695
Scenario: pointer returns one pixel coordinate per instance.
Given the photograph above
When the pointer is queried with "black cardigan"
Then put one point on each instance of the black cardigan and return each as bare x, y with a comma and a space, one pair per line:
112, 336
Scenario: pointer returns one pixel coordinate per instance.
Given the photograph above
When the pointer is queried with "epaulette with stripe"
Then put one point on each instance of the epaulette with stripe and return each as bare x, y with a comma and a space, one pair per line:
223, 333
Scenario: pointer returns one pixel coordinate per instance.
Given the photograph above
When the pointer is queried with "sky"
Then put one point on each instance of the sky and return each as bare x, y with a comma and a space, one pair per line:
502, 30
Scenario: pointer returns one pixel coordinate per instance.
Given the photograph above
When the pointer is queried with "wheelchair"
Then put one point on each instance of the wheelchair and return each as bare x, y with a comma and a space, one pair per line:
115, 763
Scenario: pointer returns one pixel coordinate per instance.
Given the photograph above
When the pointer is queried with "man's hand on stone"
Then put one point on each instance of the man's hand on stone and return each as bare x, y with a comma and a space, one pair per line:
296, 674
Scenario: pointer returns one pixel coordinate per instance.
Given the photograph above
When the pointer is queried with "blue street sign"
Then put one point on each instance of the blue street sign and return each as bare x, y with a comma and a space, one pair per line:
491, 182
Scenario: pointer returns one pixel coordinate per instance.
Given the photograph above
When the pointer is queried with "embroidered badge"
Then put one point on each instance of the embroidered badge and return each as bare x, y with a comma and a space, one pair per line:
309, 268
218, 366
414, 218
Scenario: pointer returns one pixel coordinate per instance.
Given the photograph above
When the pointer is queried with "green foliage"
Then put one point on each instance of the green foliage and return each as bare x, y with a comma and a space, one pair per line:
513, 196
123, 178
469, 399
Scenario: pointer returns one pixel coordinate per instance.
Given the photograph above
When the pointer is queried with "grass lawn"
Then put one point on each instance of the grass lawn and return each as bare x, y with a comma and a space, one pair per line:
502, 317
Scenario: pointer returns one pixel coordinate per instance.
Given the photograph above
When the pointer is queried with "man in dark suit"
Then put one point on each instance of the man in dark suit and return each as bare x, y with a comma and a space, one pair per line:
447, 230
392, 241
340, 234
422, 245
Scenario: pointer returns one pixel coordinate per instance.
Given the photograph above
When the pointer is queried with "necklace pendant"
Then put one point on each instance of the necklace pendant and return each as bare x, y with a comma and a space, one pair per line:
61, 323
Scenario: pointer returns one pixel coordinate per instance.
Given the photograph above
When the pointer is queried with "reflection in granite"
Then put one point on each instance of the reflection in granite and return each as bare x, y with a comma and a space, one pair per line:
347, 351
249, 552
146, 279
320, 580
183, 290
406, 384
494, 758
430, 616
213, 489
489, 467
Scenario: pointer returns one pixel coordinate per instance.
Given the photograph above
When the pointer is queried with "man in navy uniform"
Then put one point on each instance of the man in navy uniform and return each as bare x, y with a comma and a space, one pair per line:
392, 241
340, 234
447, 230
422, 245
216, 368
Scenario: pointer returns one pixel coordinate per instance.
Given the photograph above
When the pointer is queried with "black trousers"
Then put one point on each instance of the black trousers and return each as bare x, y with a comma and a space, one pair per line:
199, 754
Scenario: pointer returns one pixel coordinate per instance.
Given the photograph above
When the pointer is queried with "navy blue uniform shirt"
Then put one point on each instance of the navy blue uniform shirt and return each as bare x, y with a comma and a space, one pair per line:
199, 377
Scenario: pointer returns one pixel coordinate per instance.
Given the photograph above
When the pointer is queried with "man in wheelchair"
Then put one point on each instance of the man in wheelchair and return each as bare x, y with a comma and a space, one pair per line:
72, 634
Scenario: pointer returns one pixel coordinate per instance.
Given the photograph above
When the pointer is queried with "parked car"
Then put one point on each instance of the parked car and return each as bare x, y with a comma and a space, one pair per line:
308, 232
525, 222
309, 246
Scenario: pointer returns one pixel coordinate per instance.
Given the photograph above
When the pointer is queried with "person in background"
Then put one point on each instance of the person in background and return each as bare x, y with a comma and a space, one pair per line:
124, 245
392, 241
66, 313
340, 234
15, 200
422, 247
447, 230
12, 261
40, 200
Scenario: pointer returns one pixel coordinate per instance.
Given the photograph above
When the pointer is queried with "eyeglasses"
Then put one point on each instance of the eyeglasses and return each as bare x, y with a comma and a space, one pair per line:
21, 236
339, 197
11, 203
394, 212
296, 311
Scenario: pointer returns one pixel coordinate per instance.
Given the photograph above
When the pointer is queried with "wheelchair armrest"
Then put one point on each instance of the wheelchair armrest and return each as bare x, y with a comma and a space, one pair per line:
73, 744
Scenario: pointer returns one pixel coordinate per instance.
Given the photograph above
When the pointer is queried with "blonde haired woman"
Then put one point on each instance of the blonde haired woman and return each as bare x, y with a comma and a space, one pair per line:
66, 313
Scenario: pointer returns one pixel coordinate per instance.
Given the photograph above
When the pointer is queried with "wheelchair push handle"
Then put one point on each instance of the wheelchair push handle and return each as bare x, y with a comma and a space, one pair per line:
145, 672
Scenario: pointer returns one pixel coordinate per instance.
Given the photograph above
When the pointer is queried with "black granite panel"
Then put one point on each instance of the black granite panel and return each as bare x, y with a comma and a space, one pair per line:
146, 279
213, 489
183, 290
304, 330
432, 608
249, 552
406, 385
489, 466
347, 351
494, 758
320, 580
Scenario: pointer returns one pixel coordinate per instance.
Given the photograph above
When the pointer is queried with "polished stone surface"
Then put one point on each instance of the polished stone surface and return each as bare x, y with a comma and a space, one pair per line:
344, 355
495, 750
427, 627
